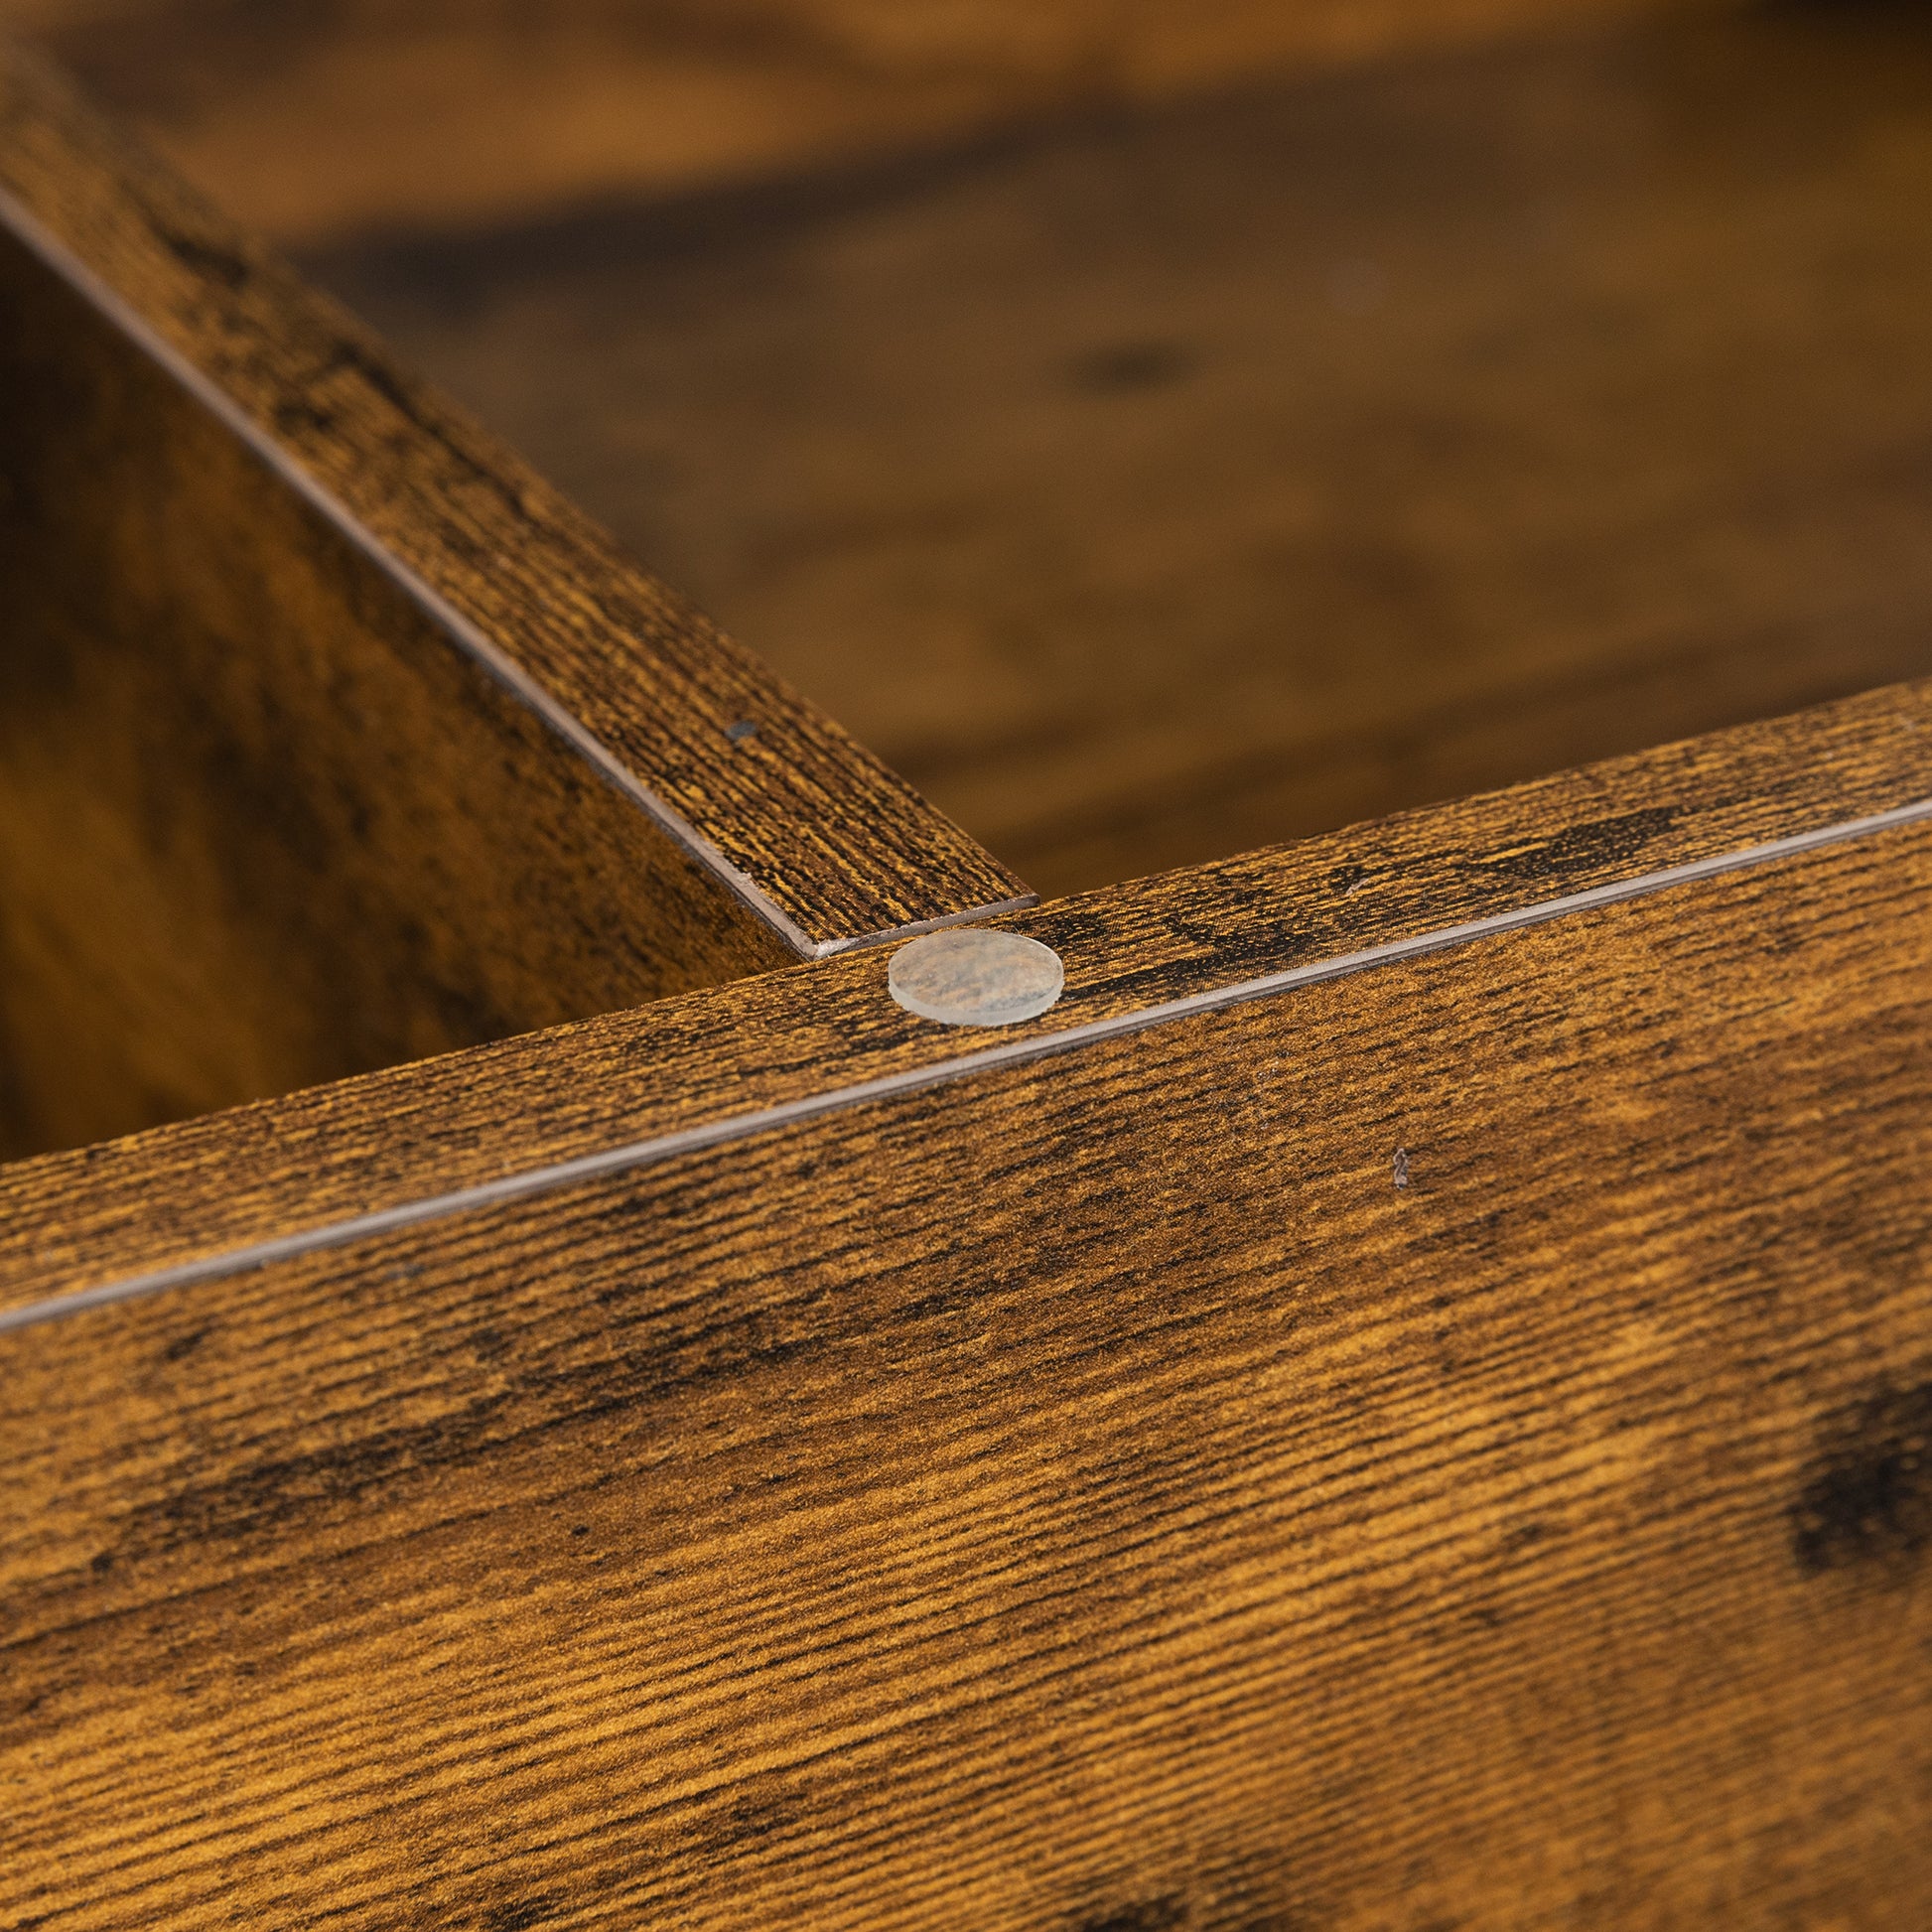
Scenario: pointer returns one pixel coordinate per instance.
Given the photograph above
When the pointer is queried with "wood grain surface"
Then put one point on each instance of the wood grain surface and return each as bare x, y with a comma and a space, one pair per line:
776, 801
1445, 1448
189, 1194
261, 824
315, 119
1160, 485
1445, 1444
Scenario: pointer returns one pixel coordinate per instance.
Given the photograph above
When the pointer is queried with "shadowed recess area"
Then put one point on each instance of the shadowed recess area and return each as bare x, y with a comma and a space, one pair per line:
1159, 482
262, 823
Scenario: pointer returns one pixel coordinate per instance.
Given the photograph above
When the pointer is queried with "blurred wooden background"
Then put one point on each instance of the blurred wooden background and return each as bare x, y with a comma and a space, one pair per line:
1156, 430
310, 117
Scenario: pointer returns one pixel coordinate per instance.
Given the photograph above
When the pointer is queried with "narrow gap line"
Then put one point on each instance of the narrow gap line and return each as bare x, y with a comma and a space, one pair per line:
892, 935
764, 1120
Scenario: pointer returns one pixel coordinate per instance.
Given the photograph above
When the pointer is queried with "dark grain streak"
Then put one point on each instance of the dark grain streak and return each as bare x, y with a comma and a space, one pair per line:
1868, 1502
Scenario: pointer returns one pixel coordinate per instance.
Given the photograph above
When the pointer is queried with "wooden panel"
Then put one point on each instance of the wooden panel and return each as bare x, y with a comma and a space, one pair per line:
1159, 486
261, 823
1440, 1447
309, 120
777, 802
87, 1220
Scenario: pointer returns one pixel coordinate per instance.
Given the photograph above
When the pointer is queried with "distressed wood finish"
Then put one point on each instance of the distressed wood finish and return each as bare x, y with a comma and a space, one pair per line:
261, 824
1442, 1447
1215, 476
1404, 1404
77, 1221
831, 846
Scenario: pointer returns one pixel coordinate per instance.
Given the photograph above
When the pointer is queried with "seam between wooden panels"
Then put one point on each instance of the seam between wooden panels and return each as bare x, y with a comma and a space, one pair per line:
467, 636
892, 935
765, 1120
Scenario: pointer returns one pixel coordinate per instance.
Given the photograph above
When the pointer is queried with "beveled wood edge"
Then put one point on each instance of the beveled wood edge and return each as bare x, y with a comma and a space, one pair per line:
806, 829
232, 1190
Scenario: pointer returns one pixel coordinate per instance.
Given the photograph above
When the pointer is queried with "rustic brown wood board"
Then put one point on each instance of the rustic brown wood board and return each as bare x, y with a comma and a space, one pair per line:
1440, 1445
311, 120
1404, 1401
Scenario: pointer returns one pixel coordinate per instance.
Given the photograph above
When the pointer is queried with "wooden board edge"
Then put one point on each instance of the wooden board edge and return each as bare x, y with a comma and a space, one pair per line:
790, 814
214, 1194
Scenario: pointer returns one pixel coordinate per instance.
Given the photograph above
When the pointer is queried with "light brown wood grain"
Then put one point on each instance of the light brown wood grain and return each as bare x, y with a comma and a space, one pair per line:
1444, 1445
314, 121
274, 808
1107, 1492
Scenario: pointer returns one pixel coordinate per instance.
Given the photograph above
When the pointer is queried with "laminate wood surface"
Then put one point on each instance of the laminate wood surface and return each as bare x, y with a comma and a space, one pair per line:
1405, 1403
317, 120
262, 824
777, 803
200, 1194
1171, 482
1440, 1447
